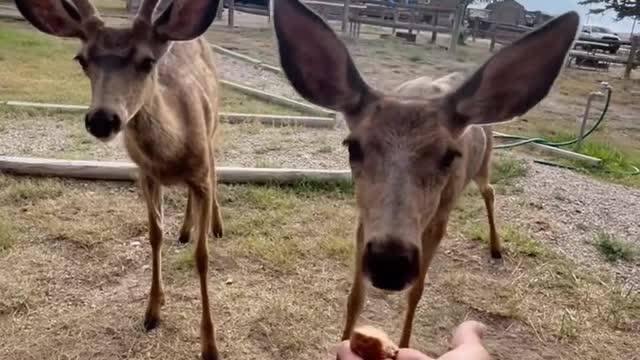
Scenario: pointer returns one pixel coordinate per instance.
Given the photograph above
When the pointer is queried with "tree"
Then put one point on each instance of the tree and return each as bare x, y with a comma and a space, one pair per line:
622, 8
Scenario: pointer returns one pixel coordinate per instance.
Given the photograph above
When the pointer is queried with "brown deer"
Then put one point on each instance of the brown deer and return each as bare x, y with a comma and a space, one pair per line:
155, 81
411, 153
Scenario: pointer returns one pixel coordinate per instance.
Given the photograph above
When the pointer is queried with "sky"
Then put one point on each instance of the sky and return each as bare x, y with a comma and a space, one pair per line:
557, 7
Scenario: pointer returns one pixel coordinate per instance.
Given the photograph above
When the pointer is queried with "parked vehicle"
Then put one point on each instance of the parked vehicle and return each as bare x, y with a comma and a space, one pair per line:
606, 39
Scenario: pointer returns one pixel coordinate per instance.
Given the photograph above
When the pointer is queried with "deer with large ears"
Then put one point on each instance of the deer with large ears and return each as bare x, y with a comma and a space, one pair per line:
155, 82
412, 152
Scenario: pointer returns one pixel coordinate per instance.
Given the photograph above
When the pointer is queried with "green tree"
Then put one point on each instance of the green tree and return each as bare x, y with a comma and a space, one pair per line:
622, 8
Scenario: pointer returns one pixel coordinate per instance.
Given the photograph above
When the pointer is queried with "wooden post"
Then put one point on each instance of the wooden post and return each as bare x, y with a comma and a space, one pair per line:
493, 31
345, 15
230, 12
220, 10
434, 32
632, 57
476, 29
395, 20
270, 17
455, 33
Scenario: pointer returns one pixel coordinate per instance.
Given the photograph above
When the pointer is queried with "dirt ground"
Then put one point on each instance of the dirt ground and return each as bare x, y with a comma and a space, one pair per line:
75, 264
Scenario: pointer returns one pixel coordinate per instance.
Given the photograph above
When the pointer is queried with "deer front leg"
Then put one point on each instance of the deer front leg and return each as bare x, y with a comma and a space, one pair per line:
488, 194
187, 225
357, 293
430, 240
216, 224
153, 195
202, 209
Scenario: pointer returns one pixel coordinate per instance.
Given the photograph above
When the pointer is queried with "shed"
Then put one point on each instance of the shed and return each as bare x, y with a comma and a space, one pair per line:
507, 12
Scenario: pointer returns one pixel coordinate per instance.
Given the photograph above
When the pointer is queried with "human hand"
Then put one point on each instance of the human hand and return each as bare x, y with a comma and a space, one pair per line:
344, 353
467, 343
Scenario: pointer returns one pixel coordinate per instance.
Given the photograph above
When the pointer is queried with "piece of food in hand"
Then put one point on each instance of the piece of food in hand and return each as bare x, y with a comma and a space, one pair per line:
372, 344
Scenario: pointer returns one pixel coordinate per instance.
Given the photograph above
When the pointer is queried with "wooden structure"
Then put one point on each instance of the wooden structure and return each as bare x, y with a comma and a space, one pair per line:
508, 12
410, 17
498, 33
127, 171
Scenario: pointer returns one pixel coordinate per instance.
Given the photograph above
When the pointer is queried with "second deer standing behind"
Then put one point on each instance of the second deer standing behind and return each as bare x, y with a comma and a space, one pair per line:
155, 82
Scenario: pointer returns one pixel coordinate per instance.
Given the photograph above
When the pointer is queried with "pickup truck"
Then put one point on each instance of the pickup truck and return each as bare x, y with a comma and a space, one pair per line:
600, 38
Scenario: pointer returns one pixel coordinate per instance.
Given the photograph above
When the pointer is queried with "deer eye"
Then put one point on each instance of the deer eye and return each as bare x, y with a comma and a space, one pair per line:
448, 158
355, 150
145, 65
82, 61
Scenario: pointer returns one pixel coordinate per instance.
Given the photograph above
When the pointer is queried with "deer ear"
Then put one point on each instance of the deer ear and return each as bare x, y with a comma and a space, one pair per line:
54, 17
517, 78
185, 20
315, 60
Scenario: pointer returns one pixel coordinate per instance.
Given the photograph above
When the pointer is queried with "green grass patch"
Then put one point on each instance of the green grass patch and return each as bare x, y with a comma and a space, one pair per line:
521, 242
39, 68
26, 190
617, 164
515, 241
183, 259
614, 249
504, 170
283, 252
7, 234
337, 247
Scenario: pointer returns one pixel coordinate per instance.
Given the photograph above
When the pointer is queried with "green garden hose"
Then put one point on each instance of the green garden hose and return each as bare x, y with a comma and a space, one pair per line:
522, 140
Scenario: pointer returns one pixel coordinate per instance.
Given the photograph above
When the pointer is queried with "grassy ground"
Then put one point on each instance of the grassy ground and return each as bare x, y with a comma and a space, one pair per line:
80, 274
37, 67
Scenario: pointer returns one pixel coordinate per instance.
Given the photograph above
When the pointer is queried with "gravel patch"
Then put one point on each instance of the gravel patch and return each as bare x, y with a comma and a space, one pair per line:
567, 209
255, 77
247, 145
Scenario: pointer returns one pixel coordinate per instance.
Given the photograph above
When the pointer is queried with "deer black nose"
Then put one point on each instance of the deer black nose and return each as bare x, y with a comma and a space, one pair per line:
102, 123
391, 264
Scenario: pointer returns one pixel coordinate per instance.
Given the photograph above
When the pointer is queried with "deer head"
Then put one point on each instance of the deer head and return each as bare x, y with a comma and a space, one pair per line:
404, 151
120, 62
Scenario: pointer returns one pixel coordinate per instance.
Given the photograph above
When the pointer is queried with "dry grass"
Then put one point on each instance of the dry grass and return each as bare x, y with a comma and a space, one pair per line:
80, 275
615, 249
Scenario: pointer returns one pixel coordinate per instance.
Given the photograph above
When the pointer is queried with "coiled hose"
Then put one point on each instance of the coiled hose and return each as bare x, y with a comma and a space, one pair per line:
522, 140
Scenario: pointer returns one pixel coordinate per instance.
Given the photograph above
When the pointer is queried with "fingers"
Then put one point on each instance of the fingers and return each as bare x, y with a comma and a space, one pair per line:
343, 352
469, 332
410, 354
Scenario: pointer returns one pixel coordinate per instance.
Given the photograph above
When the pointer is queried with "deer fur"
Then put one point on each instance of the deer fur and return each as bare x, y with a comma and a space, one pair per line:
413, 151
156, 83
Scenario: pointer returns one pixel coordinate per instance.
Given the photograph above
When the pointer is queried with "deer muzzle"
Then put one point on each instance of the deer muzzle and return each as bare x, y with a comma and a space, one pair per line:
390, 263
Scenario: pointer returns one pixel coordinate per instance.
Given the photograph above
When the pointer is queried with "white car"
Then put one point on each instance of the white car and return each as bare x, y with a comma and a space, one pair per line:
609, 41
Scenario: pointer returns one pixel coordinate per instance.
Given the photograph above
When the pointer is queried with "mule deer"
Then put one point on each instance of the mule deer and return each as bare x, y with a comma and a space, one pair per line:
411, 155
155, 81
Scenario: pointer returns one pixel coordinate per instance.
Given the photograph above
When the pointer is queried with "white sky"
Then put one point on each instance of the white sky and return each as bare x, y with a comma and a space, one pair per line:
557, 7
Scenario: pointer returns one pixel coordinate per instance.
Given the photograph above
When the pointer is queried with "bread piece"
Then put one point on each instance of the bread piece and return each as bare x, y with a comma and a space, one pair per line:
372, 344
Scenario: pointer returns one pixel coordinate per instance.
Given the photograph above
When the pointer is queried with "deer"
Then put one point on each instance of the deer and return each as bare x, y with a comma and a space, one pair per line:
154, 82
414, 150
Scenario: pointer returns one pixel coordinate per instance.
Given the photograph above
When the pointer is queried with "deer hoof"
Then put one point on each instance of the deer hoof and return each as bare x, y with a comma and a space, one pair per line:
210, 355
496, 254
184, 238
218, 232
151, 322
